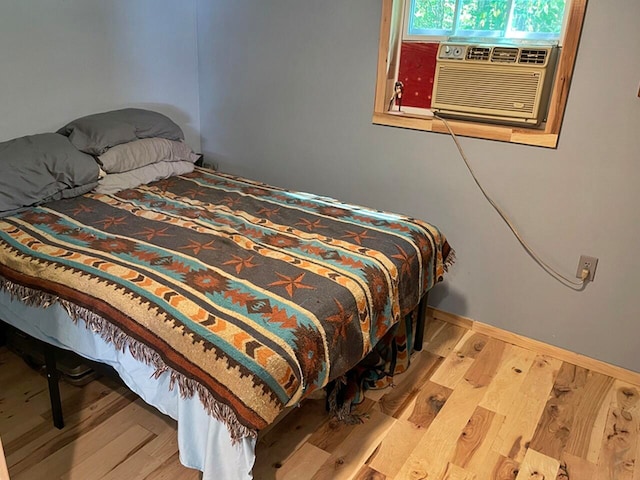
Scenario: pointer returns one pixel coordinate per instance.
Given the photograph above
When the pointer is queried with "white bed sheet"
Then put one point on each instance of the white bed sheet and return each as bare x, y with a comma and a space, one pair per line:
204, 442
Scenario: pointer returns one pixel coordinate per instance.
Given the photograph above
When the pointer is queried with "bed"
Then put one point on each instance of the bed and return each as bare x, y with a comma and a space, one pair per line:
220, 300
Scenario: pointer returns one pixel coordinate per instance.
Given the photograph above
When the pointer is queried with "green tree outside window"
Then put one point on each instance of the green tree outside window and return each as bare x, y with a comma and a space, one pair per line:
501, 18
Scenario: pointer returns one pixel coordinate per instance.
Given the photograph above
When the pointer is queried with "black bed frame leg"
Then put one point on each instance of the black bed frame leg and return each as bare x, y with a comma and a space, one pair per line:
420, 323
54, 388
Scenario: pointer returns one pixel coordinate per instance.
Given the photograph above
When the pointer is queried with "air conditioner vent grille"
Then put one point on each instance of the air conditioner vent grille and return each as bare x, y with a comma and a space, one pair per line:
478, 53
533, 56
506, 91
504, 55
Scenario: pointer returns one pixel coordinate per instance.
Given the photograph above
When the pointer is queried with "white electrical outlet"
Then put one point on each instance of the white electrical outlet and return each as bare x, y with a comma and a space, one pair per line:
587, 263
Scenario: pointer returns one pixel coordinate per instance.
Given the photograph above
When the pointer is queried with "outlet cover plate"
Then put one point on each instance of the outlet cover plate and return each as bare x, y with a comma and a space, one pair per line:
587, 262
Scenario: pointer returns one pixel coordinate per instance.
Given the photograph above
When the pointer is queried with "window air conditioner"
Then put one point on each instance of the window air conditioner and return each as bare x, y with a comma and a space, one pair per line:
497, 83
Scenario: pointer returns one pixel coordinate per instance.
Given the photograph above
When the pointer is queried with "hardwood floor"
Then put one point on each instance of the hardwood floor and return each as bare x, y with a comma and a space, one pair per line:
470, 407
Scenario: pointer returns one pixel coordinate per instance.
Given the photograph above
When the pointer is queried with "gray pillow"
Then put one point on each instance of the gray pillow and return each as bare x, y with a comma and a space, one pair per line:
39, 168
95, 134
136, 154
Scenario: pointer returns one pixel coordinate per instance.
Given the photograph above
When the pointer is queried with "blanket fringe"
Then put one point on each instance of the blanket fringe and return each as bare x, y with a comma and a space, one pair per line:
141, 352
450, 260
341, 409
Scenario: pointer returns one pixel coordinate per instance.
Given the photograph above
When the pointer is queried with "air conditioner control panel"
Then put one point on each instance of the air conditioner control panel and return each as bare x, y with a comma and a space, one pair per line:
452, 52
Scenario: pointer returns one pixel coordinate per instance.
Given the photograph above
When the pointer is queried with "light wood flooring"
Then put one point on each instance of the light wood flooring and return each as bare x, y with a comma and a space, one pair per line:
471, 407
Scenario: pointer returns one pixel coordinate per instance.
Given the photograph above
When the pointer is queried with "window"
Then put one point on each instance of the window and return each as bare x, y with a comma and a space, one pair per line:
486, 19
529, 22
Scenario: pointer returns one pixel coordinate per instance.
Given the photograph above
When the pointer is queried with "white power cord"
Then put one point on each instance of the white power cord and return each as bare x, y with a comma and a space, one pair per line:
558, 276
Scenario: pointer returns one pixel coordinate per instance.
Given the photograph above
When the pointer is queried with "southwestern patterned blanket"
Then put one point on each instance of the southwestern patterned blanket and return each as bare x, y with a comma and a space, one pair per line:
248, 295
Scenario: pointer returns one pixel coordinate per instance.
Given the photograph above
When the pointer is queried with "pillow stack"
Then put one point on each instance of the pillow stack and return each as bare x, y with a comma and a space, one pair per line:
133, 146
42, 168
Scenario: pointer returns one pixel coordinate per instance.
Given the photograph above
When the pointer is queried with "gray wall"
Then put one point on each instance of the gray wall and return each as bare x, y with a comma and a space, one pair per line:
286, 96
60, 59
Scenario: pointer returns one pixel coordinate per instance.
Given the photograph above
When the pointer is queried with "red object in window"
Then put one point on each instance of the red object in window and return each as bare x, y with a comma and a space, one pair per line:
417, 71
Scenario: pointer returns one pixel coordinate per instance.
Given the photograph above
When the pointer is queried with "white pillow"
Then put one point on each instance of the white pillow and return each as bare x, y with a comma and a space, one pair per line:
114, 182
136, 154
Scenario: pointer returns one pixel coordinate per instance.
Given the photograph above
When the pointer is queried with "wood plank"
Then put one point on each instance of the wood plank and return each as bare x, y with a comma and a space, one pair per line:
137, 465
376, 394
476, 440
455, 366
348, 457
383, 56
591, 401
522, 419
141, 463
556, 423
30, 397
575, 468
537, 466
158, 450
428, 403
171, 469
333, 432
566, 63
467, 129
454, 472
108, 457
163, 446
148, 418
440, 338
452, 370
395, 447
473, 129
496, 467
515, 365
304, 463
472, 344
16, 427
482, 371
398, 398
620, 443
424, 362
438, 444
368, 473
432, 326
275, 448
539, 139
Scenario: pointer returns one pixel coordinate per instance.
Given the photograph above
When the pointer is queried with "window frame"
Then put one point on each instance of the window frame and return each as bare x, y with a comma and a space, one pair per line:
391, 37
